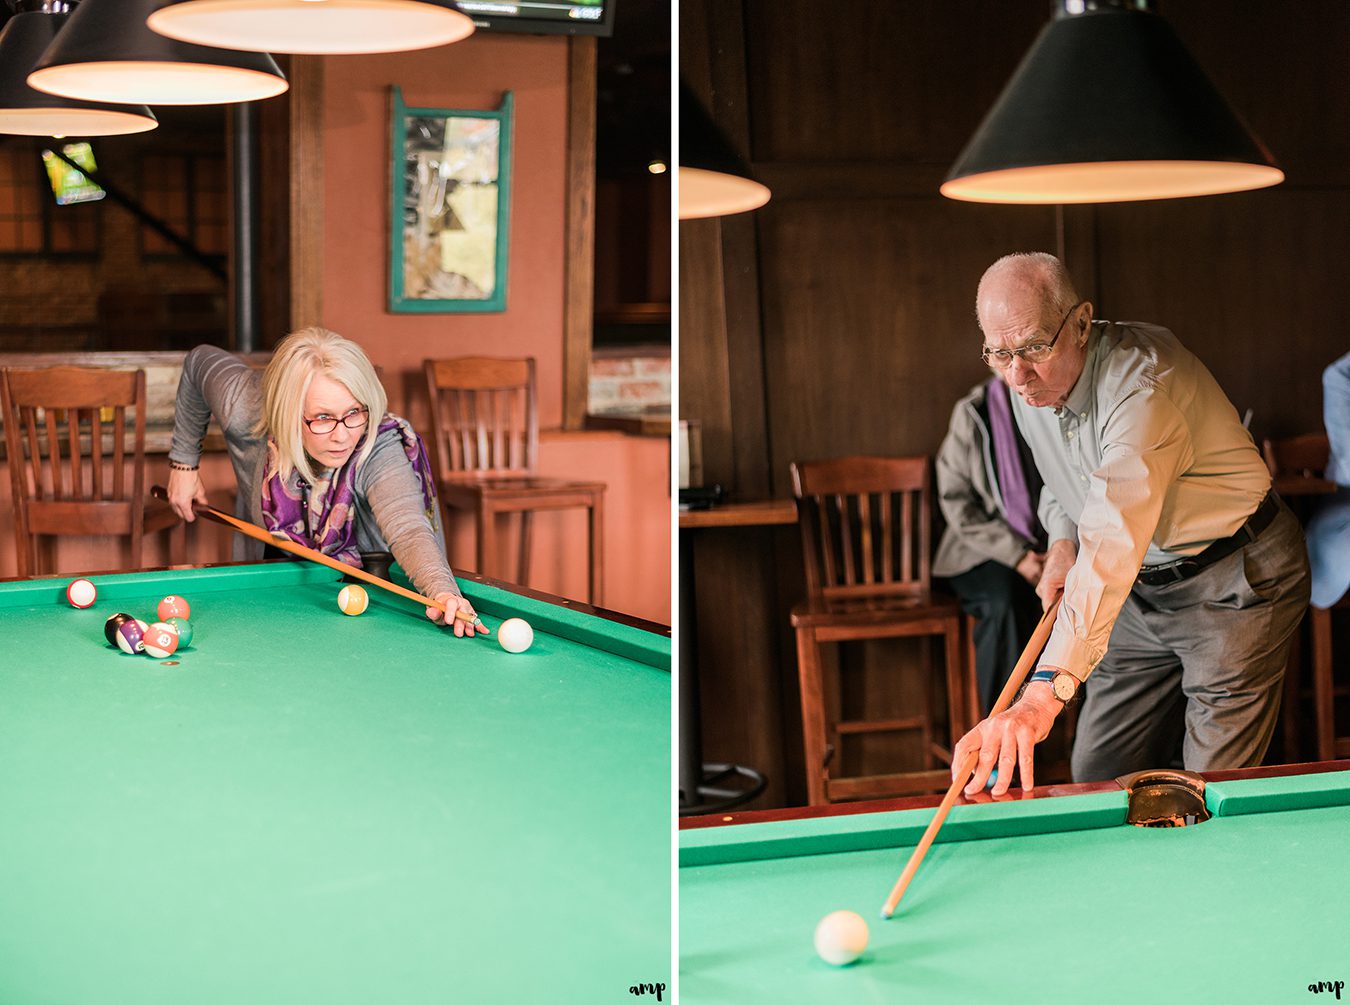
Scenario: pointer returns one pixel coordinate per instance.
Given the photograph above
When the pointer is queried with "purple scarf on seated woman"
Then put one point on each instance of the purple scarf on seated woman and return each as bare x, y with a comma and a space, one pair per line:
323, 516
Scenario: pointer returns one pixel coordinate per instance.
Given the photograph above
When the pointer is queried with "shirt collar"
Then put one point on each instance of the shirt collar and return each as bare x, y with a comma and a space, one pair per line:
1081, 396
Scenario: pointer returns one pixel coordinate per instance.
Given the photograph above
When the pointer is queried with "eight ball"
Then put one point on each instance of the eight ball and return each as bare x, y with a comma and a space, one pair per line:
110, 627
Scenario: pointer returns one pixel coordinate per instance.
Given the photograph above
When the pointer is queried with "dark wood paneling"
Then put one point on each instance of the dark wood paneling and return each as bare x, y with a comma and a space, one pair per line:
878, 81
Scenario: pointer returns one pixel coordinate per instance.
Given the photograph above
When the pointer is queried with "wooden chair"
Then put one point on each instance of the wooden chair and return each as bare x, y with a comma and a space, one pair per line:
59, 425
866, 540
1297, 465
486, 449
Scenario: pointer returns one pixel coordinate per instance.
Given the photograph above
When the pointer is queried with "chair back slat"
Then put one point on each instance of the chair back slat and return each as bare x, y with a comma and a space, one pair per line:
483, 419
865, 525
96, 450
887, 541
865, 533
30, 424
841, 510
907, 540
54, 453
119, 451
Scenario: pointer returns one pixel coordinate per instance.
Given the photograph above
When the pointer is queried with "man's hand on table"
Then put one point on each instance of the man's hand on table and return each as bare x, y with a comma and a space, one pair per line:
1009, 739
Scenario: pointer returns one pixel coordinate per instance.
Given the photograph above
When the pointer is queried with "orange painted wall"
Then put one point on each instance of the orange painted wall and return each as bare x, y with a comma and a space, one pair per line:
471, 74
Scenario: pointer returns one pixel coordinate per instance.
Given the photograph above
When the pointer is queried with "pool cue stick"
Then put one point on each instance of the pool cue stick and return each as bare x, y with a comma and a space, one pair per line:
1034, 646
285, 544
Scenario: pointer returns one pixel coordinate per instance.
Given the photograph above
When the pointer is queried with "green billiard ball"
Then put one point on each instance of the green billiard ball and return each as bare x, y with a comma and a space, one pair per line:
184, 631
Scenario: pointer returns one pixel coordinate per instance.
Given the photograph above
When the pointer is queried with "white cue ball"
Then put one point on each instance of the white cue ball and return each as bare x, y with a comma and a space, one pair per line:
841, 937
515, 635
81, 593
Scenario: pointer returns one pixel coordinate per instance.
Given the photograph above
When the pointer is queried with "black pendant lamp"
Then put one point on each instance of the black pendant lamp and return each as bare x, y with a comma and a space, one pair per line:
1108, 106
26, 112
106, 53
313, 26
714, 180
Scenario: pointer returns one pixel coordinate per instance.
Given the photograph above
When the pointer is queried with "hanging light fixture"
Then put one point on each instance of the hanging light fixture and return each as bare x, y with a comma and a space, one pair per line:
1108, 106
714, 180
313, 26
106, 53
26, 112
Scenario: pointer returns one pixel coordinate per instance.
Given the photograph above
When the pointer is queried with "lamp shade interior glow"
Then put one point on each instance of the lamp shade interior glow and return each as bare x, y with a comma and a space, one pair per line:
1113, 181
313, 26
1108, 106
160, 83
26, 112
705, 193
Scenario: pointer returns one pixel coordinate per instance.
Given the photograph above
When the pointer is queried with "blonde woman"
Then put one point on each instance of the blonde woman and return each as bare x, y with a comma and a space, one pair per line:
317, 458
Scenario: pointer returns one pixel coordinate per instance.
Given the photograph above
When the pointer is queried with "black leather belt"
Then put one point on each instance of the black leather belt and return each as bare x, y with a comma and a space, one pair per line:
1185, 568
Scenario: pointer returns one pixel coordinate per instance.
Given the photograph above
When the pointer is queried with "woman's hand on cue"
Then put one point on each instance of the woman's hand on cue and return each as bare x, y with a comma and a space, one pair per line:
185, 488
1009, 739
453, 601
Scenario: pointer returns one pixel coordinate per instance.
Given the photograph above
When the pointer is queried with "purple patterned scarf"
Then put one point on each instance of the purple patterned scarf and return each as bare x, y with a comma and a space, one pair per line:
323, 516
1012, 481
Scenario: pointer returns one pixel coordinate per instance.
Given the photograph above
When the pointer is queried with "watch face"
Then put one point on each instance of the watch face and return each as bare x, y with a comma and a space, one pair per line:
1064, 686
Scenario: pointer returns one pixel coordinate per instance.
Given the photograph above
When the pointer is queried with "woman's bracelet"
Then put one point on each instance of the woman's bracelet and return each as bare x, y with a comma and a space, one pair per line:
175, 466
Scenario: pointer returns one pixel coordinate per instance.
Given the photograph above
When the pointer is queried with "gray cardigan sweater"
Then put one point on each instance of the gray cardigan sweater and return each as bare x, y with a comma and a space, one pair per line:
969, 497
389, 511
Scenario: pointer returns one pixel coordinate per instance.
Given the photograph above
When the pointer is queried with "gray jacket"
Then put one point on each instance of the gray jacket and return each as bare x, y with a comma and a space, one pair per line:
969, 496
389, 511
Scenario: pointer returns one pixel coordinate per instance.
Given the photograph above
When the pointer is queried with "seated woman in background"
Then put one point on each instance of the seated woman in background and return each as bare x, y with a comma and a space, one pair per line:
1329, 529
993, 548
317, 458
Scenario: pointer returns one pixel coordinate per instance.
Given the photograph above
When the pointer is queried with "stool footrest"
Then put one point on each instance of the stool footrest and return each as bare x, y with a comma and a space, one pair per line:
853, 726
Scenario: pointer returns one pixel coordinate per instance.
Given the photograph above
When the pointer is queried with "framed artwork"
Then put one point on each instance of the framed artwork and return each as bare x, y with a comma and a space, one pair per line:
450, 208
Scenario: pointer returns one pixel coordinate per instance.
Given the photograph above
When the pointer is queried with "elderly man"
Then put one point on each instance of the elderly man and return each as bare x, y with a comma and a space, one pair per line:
1183, 575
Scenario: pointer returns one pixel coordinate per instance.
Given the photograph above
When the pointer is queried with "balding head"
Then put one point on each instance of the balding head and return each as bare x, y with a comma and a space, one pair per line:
1016, 281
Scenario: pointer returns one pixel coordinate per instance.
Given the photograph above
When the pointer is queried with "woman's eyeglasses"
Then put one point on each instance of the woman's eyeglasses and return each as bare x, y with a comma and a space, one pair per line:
322, 424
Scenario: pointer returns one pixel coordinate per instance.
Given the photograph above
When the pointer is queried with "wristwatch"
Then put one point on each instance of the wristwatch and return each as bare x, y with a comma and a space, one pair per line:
1063, 685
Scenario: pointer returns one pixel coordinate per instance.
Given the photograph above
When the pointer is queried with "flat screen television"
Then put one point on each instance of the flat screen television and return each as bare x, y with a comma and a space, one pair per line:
539, 17
71, 185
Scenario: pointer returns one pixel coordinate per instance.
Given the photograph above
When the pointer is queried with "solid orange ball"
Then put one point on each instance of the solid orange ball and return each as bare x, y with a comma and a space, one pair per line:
173, 607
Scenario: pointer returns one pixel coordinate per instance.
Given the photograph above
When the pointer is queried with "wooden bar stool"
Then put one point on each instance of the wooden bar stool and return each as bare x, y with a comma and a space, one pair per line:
59, 424
486, 449
866, 539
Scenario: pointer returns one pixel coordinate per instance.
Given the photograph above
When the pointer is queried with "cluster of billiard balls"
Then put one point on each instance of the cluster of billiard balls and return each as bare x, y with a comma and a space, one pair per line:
161, 639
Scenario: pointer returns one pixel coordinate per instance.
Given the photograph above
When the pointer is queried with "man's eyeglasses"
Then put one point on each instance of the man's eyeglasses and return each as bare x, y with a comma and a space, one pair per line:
324, 424
1036, 352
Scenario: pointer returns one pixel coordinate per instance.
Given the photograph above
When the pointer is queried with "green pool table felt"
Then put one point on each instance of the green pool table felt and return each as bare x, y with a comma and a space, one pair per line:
1045, 900
310, 807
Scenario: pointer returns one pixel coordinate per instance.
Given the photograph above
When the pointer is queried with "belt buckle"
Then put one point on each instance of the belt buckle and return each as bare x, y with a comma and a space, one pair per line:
1185, 569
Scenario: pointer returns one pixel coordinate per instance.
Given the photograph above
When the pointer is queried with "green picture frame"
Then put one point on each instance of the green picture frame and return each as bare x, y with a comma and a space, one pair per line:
449, 207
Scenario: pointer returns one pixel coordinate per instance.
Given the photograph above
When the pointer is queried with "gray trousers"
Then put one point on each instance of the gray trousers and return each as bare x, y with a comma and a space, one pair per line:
1196, 667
